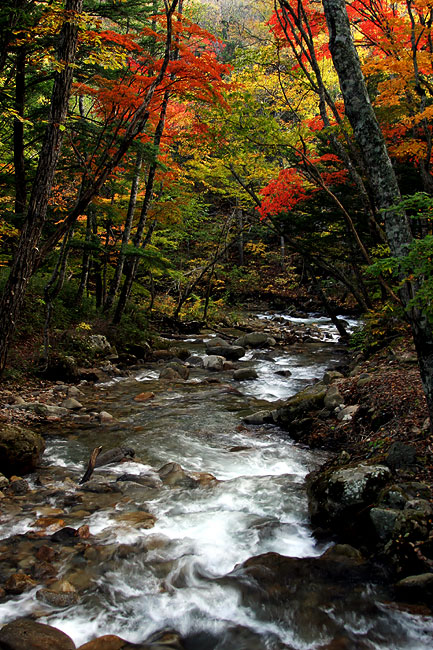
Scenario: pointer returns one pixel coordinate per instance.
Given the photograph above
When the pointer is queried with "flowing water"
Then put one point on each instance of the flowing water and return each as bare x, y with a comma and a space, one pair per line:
183, 573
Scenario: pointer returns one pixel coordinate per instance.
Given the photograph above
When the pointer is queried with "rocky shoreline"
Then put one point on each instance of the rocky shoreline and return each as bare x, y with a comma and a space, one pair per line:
373, 497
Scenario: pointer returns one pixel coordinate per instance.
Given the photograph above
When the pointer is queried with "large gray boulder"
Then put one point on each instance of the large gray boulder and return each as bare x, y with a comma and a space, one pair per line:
214, 362
98, 344
333, 397
340, 498
20, 450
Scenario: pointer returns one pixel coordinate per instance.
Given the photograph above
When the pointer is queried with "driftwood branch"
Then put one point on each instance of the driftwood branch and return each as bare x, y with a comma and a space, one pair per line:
91, 466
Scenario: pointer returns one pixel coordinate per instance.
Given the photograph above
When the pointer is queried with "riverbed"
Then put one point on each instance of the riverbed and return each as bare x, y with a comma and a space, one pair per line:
245, 497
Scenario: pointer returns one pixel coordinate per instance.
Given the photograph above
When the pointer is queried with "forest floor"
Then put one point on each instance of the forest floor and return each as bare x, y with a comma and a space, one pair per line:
392, 408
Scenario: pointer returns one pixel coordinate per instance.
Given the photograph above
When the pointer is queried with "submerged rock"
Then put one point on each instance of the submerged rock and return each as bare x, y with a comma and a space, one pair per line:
261, 417
298, 591
243, 374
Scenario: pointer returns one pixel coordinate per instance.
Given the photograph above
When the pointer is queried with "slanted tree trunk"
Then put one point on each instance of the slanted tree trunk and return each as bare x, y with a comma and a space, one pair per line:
382, 178
27, 249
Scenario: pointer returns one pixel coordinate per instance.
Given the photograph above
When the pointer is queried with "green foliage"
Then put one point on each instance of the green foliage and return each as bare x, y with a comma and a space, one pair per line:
132, 329
417, 265
380, 326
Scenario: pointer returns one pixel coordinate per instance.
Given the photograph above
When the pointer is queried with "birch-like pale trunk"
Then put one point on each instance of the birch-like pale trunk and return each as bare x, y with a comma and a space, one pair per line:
381, 174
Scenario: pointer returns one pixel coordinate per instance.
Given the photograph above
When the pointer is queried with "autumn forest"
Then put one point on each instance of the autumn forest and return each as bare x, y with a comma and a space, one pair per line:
167, 161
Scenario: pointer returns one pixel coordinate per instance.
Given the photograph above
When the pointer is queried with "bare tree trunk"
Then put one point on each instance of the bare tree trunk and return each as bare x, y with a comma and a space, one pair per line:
131, 271
85, 264
381, 173
115, 283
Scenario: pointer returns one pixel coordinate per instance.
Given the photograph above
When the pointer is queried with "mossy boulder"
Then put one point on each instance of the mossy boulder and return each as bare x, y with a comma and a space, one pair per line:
340, 498
20, 450
306, 401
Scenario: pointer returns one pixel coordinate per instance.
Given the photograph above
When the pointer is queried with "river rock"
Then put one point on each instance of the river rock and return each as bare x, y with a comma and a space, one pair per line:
284, 373
348, 413
384, 520
107, 642
338, 497
194, 360
214, 362
25, 634
333, 398
20, 450
299, 590
71, 404
243, 374
58, 599
17, 486
180, 368
136, 519
173, 475
229, 352
145, 396
255, 340
105, 418
261, 417
310, 399
217, 341
18, 583
417, 588
400, 455
332, 375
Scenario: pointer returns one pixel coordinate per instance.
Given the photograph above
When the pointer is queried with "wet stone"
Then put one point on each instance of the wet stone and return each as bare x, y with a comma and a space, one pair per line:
138, 519
58, 600
24, 634
18, 487
18, 583
43, 571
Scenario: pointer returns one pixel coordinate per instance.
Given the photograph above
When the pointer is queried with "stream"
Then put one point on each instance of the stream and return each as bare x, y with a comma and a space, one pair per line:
182, 573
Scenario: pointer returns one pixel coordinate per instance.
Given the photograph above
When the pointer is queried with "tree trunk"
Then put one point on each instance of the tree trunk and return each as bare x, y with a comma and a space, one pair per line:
19, 163
132, 267
115, 283
381, 173
27, 249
